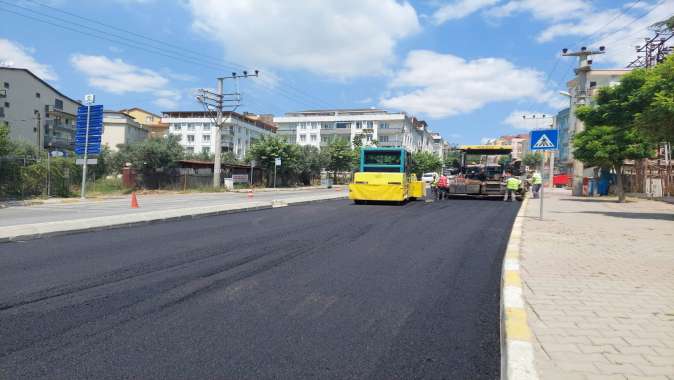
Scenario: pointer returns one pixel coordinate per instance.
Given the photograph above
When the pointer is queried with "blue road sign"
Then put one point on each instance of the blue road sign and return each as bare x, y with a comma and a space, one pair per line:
94, 132
544, 139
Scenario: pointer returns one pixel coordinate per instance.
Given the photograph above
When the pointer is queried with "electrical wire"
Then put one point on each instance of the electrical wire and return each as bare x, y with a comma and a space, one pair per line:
118, 39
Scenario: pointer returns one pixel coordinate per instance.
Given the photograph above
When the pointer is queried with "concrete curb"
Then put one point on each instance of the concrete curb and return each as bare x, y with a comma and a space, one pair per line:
517, 350
38, 230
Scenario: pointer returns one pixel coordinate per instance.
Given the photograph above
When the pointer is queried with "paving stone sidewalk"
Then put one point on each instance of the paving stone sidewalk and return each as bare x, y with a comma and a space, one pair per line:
599, 287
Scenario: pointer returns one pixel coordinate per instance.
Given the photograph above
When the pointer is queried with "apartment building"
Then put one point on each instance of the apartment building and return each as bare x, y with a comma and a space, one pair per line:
320, 127
120, 128
148, 120
35, 111
196, 129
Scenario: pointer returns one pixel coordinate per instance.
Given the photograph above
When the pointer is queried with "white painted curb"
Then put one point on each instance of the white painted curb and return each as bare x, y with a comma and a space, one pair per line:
517, 350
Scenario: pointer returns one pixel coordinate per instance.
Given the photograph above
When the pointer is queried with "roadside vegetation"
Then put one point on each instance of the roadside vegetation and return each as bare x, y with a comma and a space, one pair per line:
628, 120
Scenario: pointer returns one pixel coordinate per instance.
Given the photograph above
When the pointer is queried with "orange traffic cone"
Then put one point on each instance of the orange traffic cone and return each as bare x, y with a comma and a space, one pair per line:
250, 194
134, 200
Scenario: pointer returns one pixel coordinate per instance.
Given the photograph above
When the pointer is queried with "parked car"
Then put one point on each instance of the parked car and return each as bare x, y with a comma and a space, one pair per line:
428, 177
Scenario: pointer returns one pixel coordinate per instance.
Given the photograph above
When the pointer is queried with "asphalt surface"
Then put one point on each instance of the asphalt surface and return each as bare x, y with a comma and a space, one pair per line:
51, 212
324, 290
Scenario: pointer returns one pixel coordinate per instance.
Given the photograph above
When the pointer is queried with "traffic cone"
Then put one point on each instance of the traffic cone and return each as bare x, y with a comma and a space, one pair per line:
134, 200
250, 194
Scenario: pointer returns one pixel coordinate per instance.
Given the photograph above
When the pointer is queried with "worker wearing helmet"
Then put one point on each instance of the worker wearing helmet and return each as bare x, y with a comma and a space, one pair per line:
512, 185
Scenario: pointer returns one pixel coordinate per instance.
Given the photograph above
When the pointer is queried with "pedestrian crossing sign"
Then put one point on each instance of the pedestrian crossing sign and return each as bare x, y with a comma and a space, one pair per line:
544, 139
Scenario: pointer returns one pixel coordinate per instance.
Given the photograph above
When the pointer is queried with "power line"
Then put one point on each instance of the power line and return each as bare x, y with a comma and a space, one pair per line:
181, 49
125, 41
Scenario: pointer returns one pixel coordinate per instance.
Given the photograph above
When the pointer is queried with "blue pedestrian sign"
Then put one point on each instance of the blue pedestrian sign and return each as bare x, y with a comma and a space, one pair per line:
89, 129
544, 139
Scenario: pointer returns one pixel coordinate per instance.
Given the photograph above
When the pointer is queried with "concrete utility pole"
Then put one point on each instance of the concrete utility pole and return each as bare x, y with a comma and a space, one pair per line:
218, 101
580, 97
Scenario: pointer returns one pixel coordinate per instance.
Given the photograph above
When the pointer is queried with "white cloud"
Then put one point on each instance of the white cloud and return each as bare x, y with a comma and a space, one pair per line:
544, 9
339, 38
459, 9
118, 77
13, 54
441, 85
529, 122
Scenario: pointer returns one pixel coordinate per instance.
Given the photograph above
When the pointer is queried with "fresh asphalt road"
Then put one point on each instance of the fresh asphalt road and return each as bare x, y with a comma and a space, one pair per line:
51, 212
322, 290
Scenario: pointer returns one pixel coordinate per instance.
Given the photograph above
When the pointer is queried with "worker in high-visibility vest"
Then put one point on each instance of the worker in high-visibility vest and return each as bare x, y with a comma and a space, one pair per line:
512, 185
537, 182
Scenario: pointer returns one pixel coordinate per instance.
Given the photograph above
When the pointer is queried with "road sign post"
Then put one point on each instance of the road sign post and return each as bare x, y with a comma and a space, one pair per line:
544, 140
88, 134
277, 162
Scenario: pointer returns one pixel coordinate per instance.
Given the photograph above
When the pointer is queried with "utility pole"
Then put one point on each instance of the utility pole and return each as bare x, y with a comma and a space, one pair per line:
654, 50
580, 97
217, 101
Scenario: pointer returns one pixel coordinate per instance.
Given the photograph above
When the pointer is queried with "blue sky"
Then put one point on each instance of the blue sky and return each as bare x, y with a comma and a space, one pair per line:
470, 68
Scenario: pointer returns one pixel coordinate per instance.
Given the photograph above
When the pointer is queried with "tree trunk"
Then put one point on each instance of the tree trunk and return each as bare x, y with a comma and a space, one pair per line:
619, 187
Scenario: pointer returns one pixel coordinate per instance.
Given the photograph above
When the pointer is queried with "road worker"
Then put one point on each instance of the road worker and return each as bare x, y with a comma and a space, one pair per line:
434, 186
443, 187
512, 185
536, 181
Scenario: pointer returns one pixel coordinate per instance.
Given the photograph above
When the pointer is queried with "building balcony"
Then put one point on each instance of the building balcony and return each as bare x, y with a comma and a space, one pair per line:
59, 142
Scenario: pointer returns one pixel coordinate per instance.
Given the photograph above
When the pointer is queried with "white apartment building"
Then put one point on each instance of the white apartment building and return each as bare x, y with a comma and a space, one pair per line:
320, 127
120, 128
196, 129
36, 112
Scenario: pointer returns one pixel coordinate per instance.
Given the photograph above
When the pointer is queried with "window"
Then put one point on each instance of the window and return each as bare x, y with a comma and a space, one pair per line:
206, 150
300, 126
6, 84
190, 138
593, 84
342, 124
303, 138
314, 126
207, 127
383, 138
370, 125
148, 119
359, 125
2, 112
176, 127
37, 94
327, 126
190, 127
6, 104
206, 138
190, 149
324, 139
58, 104
314, 138
383, 125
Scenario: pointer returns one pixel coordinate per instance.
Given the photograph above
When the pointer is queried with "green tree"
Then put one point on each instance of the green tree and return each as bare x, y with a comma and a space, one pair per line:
608, 146
655, 101
357, 141
339, 156
611, 135
453, 158
310, 163
265, 151
5, 143
424, 162
532, 160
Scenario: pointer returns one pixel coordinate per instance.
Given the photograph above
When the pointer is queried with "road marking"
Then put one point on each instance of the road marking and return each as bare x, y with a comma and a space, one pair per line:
517, 351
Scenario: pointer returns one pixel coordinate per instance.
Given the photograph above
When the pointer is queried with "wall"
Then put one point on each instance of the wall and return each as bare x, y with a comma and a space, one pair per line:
23, 102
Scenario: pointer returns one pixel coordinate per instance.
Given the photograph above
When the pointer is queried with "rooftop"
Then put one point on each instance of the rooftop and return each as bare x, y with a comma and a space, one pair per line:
336, 112
42, 81
209, 115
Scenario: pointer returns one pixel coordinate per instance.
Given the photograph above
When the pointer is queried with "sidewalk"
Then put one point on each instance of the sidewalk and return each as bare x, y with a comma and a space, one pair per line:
599, 287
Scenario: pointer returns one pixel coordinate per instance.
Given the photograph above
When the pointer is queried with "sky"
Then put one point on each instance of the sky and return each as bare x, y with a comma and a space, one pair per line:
470, 68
